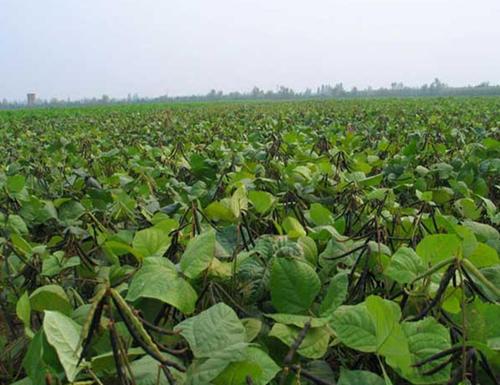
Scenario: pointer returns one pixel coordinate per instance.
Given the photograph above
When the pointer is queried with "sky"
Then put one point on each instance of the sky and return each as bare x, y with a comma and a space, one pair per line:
87, 48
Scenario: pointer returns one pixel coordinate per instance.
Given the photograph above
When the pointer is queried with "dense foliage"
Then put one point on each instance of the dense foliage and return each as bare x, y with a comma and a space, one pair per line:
345, 242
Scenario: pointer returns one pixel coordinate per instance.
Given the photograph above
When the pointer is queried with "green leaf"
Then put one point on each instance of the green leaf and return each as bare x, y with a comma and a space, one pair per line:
359, 377
468, 209
310, 249
15, 183
213, 330
70, 211
438, 247
482, 231
405, 265
294, 285
320, 215
335, 294
106, 363
483, 256
298, 320
391, 341
239, 201
253, 326
373, 326
151, 242
23, 311
158, 279
146, 371
50, 297
257, 364
203, 371
354, 327
63, 334
426, 338
293, 228
261, 200
40, 359
220, 211
56, 263
314, 345
16, 224
198, 254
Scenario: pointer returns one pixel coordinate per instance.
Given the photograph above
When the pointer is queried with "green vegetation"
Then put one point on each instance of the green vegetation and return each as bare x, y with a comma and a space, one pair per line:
337, 242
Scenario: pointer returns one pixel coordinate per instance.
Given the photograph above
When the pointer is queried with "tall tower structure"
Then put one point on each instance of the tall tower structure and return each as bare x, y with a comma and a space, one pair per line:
31, 98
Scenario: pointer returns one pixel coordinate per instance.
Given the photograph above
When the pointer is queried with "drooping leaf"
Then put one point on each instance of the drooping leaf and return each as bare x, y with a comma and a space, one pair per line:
438, 247
426, 338
335, 294
50, 297
63, 334
405, 265
198, 254
213, 330
261, 200
358, 377
151, 242
159, 279
314, 345
294, 285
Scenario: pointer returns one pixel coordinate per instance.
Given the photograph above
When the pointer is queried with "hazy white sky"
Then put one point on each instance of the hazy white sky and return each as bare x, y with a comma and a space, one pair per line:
85, 48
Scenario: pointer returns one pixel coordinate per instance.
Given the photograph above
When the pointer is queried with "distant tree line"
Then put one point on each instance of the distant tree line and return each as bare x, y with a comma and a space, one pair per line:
325, 91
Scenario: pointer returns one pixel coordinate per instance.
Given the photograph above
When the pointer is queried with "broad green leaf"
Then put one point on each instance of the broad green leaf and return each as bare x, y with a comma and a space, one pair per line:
40, 359
359, 377
438, 247
159, 279
373, 326
151, 242
21, 244
482, 231
426, 338
70, 211
220, 211
294, 285
310, 249
391, 341
146, 371
16, 224
261, 200
213, 330
293, 228
298, 320
257, 364
63, 334
23, 311
405, 265
56, 263
314, 345
354, 327
198, 254
50, 297
320, 215
468, 209
15, 183
204, 371
239, 201
483, 256
335, 294
253, 326
481, 320
467, 237
106, 363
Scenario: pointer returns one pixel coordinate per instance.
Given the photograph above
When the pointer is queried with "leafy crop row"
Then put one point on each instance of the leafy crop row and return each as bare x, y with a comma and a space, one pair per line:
347, 242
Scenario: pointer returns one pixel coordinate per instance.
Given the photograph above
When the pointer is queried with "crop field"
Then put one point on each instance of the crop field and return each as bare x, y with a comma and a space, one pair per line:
318, 242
